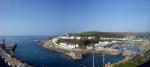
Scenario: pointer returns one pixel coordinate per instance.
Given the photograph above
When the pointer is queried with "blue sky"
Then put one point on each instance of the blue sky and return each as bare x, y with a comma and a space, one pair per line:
48, 17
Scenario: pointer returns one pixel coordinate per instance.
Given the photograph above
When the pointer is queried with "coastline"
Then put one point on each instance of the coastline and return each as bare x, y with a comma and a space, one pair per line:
7, 55
72, 54
144, 47
76, 55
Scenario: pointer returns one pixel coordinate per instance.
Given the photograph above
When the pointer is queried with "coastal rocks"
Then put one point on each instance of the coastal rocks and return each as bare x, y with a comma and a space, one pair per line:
11, 60
127, 54
6, 52
78, 54
75, 55
107, 51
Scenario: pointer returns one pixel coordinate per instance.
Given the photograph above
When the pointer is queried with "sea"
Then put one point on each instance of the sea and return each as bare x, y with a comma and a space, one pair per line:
31, 52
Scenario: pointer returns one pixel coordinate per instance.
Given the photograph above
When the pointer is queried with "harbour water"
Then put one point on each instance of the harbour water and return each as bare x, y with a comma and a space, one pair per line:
29, 51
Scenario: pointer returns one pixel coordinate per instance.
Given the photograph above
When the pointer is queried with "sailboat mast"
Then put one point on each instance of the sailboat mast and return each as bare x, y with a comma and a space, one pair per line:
93, 59
93, 56
103, 60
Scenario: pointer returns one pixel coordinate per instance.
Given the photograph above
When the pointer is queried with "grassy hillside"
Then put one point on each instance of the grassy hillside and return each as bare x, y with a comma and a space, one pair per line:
99, 34
134, 63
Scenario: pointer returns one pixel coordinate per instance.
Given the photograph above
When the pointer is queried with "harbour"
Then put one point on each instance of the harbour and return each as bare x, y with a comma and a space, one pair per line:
29, 51
74, 33
79, 44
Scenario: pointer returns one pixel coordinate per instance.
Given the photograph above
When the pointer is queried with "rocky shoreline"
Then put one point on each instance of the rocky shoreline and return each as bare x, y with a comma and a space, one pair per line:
7, 55
74, 54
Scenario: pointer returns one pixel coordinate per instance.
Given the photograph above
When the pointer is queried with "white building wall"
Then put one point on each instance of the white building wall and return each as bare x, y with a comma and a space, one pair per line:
72, 37
78, 38
89, 47
91, 37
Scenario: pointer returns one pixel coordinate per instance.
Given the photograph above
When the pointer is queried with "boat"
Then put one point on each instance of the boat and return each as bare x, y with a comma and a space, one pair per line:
36, 40
9, 64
